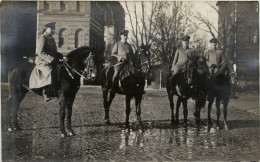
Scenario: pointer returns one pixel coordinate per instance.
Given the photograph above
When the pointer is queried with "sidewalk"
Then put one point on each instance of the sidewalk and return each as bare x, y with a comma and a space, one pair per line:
246, 101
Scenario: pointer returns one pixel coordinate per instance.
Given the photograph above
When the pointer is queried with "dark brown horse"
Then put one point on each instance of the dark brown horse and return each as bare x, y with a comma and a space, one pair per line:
80, 62
132, 86
219, 87
189, 84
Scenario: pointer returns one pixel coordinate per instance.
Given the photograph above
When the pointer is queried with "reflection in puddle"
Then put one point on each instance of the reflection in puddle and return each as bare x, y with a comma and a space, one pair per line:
151, 141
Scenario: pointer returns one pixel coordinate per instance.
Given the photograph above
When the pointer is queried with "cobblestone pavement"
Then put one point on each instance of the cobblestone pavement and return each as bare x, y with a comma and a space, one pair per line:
156, 139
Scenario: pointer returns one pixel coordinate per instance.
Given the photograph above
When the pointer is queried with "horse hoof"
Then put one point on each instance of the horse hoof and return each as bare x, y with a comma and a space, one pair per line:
217, 122
71, 133
197, 122
127, 125
14, 128
64, 135
210, 122
107, 121
9, 129
225, 125
17, 128
138, 121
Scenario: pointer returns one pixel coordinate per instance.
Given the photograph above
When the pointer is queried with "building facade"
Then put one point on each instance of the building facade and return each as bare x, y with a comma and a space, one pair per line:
82, 23
241, 30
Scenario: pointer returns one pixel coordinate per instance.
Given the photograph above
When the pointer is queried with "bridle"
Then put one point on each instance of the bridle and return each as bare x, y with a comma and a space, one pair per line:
82, 73
89, 69
144, 65
189, 65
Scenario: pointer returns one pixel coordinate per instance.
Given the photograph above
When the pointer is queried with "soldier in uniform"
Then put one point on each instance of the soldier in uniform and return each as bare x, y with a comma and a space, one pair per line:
180, 59
46, 60
123, 51
214, 57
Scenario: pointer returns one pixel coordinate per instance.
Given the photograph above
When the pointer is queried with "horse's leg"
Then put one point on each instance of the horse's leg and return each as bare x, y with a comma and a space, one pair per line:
15, 98
218, 99
128, 109
138, 99
197, 110
107, 104
211, 101
177, 109
185, 111
225, 105
170, 96
63, 104
69, 113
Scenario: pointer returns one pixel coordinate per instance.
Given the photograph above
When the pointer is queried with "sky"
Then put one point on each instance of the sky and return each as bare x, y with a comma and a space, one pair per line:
196, 6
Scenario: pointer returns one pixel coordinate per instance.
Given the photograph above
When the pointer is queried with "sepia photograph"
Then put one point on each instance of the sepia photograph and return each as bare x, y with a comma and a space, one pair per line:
129, 80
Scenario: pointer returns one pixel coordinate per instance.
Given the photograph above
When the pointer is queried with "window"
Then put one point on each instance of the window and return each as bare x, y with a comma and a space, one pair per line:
45, 5
62, 6
79, 38
77, 7
63, 37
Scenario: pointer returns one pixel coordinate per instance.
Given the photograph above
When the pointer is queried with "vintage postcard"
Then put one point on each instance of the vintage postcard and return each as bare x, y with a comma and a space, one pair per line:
130, 80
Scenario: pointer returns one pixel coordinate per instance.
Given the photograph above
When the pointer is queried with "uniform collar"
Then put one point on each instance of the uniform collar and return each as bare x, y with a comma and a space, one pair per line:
47, 35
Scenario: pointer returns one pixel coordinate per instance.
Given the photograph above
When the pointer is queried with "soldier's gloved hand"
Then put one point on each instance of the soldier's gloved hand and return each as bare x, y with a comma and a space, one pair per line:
214, 66
53, 62
122, 60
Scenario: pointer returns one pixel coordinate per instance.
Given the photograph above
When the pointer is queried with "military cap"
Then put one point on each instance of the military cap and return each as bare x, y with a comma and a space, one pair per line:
213, 40
50, 25
124, 32
185, 38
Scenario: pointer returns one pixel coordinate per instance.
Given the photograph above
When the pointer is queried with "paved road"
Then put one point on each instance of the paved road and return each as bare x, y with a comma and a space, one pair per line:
156, 139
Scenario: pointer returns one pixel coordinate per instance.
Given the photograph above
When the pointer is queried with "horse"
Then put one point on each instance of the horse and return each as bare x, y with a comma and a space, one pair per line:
189, 84
80, 62
130, 87
219, 87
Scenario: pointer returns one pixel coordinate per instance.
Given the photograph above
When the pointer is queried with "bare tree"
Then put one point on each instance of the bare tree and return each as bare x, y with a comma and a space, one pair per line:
227, 16
141, 16
171, 23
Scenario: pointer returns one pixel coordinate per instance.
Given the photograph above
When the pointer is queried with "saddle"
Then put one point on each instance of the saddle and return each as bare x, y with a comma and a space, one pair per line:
126, 71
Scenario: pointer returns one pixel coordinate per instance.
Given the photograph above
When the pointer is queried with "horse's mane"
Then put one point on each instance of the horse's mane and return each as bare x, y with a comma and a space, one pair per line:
77, 51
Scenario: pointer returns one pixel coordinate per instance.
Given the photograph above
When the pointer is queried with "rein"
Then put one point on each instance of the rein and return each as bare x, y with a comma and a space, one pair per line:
79, 72
66, 65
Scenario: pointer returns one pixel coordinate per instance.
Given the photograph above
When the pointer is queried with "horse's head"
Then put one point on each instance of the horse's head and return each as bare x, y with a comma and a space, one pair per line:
191, 69
90, 71
143, 61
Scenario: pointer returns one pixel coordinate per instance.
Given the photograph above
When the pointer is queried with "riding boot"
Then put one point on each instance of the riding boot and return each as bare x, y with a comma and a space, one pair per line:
114, 84
44, 94
172, 83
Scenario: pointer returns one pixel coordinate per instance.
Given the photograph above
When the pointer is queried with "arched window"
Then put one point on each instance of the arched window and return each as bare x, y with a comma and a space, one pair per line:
45, 5
63, 37
62, 6
77, 7
79, 38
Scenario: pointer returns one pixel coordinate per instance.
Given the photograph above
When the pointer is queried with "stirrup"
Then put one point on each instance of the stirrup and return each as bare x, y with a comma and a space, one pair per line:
45, 98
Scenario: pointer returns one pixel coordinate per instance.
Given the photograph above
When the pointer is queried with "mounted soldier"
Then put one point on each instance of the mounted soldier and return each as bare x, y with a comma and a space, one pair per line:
123, 53
180, 59
214, 58
43, 76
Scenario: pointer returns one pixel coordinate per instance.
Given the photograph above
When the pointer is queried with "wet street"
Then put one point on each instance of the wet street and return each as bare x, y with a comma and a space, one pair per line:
156, 139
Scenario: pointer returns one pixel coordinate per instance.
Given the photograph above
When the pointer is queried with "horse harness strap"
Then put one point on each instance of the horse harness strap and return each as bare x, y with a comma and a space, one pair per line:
66, 65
